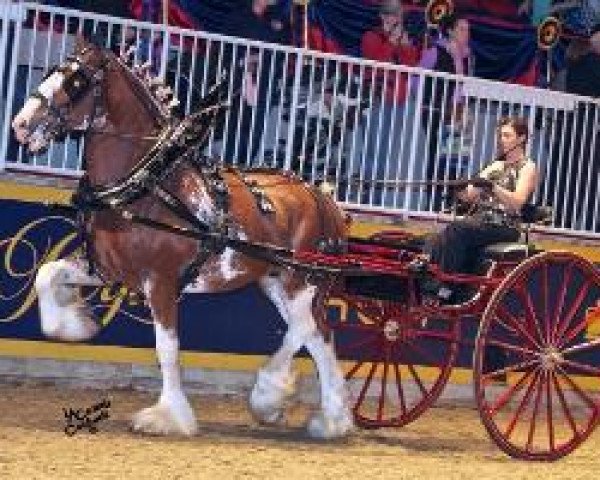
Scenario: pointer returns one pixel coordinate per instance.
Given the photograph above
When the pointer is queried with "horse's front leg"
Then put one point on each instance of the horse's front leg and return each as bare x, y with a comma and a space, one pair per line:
63, 313
172, 414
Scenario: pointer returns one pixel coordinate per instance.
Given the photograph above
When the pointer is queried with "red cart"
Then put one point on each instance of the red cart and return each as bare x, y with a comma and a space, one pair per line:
531, 319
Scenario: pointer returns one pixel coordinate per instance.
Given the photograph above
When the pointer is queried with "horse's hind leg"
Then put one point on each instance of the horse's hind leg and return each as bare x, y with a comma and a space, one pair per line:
335, 418
273, 380
172, 413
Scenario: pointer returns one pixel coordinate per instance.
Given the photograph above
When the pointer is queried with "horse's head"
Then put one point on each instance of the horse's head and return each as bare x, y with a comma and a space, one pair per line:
65, 100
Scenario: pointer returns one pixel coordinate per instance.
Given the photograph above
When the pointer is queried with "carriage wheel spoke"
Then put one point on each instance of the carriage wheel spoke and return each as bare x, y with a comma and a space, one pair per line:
512, 368
564, 405
365, 387
383, 386
506, 327
354, 369
581, 367
502, 311
571, 335
536, 405
583, 291
558, 308
530, 314
524, 402
545, 303
583, 395
511, 348
549, 419
398, 375
418, 381
508, 394
581, 347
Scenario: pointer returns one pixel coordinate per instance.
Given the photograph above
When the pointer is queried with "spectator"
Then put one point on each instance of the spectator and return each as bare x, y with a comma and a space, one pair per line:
442, 101
254, 20
577, 157
387, 43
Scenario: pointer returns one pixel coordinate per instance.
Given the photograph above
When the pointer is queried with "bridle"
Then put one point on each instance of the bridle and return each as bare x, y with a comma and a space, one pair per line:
78, 79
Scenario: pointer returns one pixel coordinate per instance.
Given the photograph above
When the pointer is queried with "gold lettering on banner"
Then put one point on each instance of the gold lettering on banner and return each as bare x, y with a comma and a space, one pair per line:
24, 293
22, 256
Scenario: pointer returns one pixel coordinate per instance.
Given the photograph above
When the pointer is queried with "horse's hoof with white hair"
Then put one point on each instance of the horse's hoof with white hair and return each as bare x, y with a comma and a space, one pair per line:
269, 394
63, 313
325, 427
165, 419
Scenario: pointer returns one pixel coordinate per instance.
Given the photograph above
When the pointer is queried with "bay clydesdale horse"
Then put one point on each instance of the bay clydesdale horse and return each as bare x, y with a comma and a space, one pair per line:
127, 135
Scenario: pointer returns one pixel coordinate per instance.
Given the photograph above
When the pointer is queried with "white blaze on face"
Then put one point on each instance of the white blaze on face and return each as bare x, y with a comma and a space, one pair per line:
21, 122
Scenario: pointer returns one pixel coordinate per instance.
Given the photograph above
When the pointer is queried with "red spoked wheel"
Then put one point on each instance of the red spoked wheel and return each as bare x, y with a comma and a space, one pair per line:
537, 358
396, 365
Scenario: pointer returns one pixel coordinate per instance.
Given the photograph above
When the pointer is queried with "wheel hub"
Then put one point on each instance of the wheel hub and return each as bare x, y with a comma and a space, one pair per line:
392, 330
550, 358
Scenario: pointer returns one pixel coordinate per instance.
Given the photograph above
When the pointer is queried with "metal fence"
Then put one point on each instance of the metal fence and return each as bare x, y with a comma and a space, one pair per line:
359, 124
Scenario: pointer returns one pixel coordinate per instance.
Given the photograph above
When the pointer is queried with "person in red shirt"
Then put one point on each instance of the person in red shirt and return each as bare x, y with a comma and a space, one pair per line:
380, 158
389, 42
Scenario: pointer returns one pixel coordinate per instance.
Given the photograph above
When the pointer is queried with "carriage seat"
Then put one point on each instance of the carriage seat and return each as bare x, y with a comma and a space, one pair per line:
507, 251
519, 251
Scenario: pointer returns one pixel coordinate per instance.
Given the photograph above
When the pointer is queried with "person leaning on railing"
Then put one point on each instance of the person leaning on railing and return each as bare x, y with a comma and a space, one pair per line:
442, 99
497, 196
261, 20
388, 42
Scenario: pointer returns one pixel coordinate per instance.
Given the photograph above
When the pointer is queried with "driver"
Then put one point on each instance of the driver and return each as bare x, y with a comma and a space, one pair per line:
496, 198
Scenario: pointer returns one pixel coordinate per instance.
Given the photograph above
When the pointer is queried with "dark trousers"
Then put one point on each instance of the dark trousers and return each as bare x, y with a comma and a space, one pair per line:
457, 245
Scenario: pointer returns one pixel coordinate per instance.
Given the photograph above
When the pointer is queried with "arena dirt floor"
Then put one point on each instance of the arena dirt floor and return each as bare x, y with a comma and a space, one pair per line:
448, 442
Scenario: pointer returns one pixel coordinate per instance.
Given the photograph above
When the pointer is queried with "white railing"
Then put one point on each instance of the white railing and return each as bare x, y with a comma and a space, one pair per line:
359, 124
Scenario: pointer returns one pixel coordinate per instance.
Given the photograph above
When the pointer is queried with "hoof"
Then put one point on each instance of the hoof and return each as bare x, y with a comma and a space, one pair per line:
267, 414
268, 397
328, 428
160, 420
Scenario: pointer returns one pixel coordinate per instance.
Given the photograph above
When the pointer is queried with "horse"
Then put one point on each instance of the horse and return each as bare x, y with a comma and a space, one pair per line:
121, 118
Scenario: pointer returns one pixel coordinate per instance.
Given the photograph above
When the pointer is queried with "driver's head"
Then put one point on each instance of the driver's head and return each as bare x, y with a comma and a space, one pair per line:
512, 133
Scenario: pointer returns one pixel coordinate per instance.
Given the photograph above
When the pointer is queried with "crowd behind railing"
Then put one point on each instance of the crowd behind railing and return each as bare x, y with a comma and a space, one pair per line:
365, 125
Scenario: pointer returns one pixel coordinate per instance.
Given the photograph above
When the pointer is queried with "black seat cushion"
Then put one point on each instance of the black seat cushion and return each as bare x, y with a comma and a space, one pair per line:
509, 252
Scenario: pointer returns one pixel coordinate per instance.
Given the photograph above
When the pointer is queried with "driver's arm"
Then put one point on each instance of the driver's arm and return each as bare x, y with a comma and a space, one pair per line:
471, 193
526, 184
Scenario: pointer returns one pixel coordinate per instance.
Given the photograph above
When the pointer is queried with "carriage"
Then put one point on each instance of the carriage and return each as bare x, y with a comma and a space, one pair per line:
535, 361
532, 363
